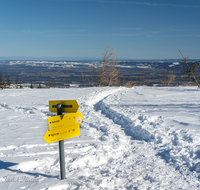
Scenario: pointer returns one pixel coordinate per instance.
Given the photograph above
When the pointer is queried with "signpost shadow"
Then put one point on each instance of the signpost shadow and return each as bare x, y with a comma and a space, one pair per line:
7, 165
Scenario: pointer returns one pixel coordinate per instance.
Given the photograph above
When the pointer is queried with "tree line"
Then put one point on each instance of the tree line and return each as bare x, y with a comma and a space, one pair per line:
106, 73
5, 82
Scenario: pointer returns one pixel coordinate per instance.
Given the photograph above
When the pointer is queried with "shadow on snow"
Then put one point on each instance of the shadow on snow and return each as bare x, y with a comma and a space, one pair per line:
7, 165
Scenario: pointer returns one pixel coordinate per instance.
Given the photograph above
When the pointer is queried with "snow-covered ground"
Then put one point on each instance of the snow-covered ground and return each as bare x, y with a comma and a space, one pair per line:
131, 138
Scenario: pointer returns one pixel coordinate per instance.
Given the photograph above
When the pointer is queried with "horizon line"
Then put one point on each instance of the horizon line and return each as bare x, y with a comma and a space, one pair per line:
32, 58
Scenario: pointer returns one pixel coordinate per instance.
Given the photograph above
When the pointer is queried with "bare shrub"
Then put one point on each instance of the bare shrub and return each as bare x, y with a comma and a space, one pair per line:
188, 83
3, 86
170, 79
31, 85
191, 69
106, 71
130, 84
39, 86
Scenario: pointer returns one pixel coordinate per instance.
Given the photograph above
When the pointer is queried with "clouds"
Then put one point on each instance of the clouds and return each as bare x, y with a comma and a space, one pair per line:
154, 4
138, 3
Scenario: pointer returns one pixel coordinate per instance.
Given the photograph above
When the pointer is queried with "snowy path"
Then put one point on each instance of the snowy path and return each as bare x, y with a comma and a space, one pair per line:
138, 138
158, 154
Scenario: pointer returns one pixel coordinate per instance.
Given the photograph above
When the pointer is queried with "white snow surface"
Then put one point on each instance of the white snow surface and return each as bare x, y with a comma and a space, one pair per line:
131, 138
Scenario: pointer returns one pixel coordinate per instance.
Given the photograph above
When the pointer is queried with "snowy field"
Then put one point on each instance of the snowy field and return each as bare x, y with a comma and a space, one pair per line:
131, 138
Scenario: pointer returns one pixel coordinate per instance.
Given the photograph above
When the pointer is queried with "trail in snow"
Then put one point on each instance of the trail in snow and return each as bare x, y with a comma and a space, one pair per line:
168, 145
129, 140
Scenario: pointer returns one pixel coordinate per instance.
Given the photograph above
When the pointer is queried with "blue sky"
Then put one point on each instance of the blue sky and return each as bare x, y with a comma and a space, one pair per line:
83, 28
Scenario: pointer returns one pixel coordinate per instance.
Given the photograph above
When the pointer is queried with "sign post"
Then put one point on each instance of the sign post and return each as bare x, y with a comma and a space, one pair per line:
61, 148
63, 126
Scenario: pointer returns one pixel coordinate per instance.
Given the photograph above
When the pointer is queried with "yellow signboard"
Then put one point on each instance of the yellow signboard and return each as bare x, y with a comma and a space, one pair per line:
68, 106
62, 133
63, 121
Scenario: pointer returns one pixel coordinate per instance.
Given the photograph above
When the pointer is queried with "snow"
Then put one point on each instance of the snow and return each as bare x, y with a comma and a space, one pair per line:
49, 63
174, 64
131, 138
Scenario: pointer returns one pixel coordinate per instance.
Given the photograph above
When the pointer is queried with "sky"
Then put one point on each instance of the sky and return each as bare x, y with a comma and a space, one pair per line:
149, 29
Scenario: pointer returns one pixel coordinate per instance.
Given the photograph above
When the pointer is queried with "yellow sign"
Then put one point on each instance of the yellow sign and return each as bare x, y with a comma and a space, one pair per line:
63, 121
62, 133
70, 106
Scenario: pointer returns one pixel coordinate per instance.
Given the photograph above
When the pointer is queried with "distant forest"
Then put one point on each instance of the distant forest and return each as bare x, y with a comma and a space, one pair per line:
66, 74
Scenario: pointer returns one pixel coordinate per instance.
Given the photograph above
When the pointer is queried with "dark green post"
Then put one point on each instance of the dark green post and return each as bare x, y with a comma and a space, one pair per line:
61, 148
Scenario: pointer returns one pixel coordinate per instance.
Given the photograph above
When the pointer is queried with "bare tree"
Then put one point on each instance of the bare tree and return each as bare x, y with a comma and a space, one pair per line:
20, 85
191, 69
39, 86
53, 84
106, 70
17, 82
31, 85
1, 80
8, 81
